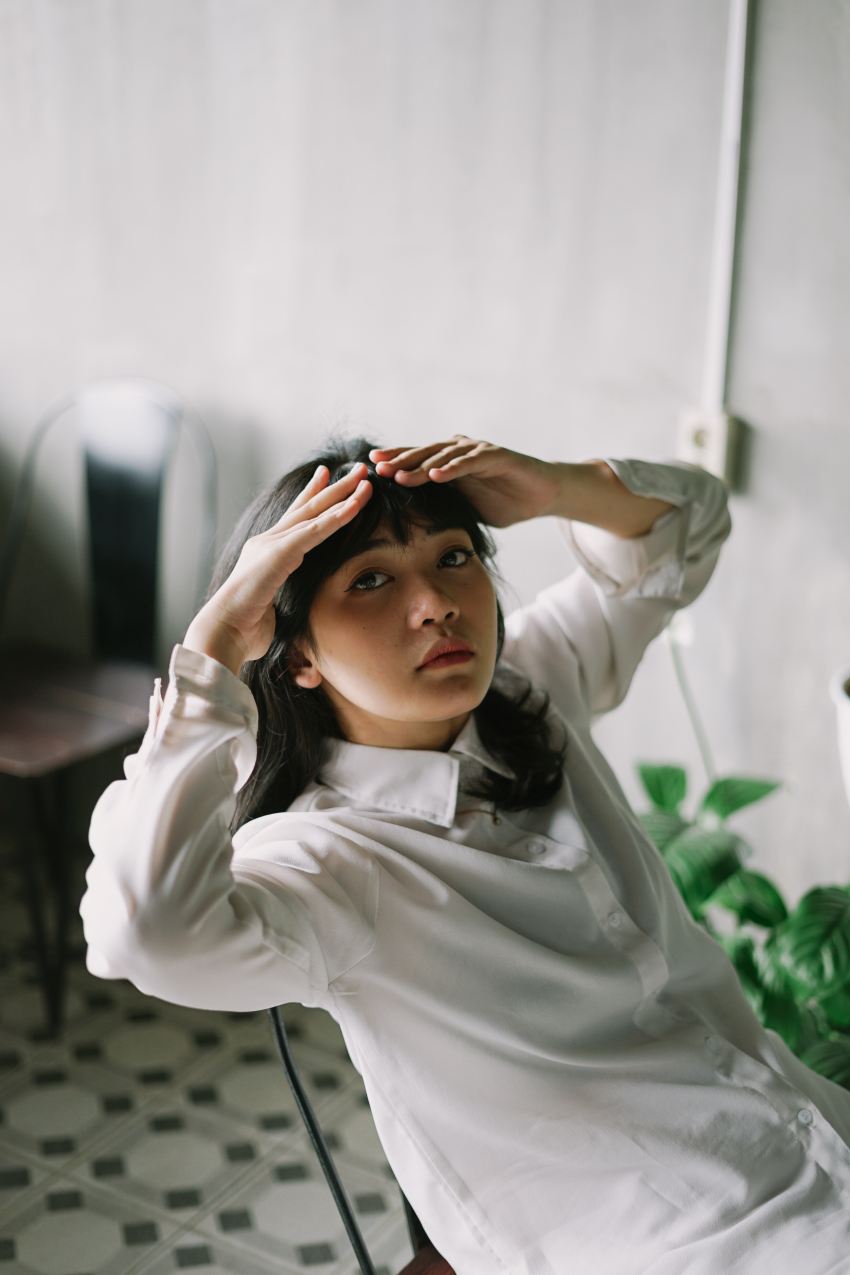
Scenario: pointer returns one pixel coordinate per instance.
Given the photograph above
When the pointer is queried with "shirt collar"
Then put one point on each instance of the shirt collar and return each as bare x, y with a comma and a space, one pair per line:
415, 781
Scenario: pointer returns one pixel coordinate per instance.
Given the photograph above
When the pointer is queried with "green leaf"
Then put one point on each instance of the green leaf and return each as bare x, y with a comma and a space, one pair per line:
661, 826
730, 794
813, 1026
800, 1026
665, 785
752, 897
781, 1012
830, 1058
740, 950
699, 859
754, 995
813, 945
772, 996
771, 972
837, 1008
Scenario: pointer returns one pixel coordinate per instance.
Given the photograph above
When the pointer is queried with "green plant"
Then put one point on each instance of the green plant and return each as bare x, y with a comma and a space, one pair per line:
794, 967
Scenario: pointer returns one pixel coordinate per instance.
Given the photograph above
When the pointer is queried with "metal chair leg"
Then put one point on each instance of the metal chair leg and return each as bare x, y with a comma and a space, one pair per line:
57, 845
320, 1146
43, 860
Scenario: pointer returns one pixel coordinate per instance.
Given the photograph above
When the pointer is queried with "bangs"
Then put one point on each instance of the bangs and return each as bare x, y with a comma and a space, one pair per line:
399, 510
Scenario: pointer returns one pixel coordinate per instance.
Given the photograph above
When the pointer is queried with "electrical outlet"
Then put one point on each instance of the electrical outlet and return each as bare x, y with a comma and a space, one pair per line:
711, 440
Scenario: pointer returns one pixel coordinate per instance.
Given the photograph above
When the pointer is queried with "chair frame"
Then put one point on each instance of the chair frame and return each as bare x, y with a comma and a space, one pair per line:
426, 1259
98, 704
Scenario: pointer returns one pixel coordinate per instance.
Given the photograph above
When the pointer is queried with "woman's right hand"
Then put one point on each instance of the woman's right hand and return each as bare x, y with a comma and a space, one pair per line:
238, 621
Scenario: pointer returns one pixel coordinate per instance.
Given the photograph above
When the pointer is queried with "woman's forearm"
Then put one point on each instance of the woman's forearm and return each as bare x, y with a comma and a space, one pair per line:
592, 492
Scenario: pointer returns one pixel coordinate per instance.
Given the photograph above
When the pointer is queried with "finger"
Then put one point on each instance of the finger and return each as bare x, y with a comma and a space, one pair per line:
324, 524
384, 452
315, 484
438, 459
410, 457
456, 468
323, 499
393, 453
406, 467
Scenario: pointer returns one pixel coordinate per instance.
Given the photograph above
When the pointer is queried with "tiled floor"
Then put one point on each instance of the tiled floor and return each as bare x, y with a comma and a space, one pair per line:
152, 1138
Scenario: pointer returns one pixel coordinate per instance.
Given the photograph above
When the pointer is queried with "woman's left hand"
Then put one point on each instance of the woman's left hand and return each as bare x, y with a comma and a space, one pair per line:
504, 486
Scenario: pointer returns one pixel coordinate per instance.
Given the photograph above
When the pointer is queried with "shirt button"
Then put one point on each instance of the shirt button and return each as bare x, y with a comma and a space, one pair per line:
712, 1044
615, 919
536, 847
497, 818
805, 1116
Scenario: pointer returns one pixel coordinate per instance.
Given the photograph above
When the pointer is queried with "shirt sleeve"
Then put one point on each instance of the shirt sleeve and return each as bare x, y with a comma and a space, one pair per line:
166, 906
583, 637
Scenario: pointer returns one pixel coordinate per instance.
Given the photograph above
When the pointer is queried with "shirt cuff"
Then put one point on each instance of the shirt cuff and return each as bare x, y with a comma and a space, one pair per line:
650, 565
191, 670
191, 673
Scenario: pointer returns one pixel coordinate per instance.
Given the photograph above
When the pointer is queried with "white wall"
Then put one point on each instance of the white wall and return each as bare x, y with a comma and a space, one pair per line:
438, 215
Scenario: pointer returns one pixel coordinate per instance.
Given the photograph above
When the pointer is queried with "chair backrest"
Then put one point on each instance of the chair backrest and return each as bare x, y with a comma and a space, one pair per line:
128, 430
128, 438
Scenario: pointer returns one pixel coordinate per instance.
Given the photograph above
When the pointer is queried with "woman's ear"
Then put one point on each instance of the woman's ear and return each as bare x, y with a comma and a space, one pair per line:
303, 671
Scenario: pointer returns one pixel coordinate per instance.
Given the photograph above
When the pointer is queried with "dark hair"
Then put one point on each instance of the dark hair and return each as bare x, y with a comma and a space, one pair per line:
512, 719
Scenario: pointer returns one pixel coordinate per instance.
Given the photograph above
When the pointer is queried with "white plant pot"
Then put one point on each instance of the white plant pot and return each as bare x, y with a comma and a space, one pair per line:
839, 690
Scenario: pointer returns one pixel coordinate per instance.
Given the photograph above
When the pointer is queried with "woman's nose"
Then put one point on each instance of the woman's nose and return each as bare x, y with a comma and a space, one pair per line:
450, 613
431, 606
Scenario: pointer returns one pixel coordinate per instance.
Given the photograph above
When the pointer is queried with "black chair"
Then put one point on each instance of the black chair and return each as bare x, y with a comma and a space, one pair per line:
57, 710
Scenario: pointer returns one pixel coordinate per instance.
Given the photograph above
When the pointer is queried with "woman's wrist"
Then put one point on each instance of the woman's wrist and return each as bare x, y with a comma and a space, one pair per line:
592, 492
211, 641
583, 490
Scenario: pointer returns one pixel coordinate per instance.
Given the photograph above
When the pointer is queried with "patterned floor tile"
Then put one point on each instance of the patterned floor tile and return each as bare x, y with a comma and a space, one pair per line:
20, 1178
176, 1160
248, 1086
150, 1138
68, 1097
71, 1229
281, 1210
208, 1255
22, 1009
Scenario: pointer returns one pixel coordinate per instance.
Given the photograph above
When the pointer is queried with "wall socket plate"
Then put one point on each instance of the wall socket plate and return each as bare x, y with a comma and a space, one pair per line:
712, 440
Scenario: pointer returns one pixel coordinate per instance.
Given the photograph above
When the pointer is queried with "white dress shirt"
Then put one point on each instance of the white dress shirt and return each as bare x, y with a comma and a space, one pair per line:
563, 1070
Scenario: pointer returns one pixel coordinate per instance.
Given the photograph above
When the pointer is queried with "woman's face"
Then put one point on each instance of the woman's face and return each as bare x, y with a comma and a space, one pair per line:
376, 620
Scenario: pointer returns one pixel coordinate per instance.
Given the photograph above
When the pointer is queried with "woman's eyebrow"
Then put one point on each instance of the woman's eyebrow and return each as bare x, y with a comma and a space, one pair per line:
381, 542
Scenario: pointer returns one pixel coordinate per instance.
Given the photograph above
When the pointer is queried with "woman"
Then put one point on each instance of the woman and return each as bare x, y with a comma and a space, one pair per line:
367, 791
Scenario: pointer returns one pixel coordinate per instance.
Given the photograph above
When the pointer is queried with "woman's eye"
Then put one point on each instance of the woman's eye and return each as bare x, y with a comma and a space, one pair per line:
467, 554
367, 575
362, 583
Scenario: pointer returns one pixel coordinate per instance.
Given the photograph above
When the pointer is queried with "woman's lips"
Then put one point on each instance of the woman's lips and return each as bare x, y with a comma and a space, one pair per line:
453, 657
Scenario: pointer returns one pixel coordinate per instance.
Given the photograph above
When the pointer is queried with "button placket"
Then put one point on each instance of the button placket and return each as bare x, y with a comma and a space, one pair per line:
820, 1140
817, 1136
646, 956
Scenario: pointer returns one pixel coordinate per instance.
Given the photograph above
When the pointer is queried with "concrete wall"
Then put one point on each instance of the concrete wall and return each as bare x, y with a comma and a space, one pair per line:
438, 215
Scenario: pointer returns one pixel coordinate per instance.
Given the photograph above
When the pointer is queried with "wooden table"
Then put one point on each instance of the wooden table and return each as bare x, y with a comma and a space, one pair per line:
56, 711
